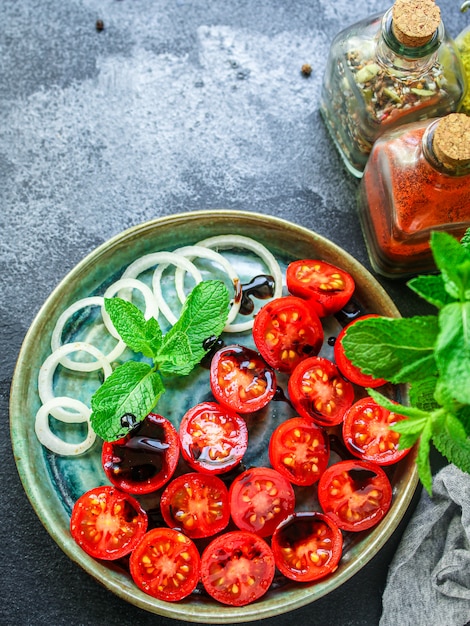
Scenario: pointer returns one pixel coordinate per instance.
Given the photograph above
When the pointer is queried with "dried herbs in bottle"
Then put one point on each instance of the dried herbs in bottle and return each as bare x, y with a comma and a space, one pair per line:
388, 70
417, 180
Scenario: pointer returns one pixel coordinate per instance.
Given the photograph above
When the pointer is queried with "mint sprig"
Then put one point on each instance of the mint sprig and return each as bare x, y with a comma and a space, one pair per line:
431, 353
132, 391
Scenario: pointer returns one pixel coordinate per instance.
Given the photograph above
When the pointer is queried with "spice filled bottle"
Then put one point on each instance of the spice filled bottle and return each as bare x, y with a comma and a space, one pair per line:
388, 70
417, 180
462, 42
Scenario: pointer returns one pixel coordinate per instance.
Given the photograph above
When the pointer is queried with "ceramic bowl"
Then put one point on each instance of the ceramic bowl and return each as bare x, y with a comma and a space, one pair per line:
53, 483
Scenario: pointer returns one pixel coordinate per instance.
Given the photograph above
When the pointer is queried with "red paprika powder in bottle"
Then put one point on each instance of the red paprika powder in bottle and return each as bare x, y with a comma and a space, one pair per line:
417, 180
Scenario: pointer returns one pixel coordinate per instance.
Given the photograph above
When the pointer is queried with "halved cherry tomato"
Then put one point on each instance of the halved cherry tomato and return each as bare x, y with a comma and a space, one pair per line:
166, 564
198, 504
317, 390
286, 331
355, 494
350, 371
213, 438
299, 450
307, 546
145, 459
328, 287
241, 380
107, 523
260, 499
237, 568
367, 434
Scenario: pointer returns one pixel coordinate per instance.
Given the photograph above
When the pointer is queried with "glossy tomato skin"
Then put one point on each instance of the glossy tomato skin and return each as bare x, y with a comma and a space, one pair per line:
166, 564
367, 434
145, 459
350, 371
237, 568
355, 494
213, 438
241, 380
307, 546
107, 523
286, 331
197, 504
328, 287
299, 450
318, 391
260, 499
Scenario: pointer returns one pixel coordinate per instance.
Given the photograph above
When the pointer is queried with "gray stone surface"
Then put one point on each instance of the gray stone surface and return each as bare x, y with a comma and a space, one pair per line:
176, 105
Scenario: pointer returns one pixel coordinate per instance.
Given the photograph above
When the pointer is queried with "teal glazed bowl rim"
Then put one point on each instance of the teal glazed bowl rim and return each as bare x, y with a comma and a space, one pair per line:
46, 495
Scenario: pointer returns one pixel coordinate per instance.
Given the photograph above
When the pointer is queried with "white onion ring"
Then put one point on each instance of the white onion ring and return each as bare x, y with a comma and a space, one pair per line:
206, 253
224, 242
56, 338
155, 258
46, 374
52, 441
151, 305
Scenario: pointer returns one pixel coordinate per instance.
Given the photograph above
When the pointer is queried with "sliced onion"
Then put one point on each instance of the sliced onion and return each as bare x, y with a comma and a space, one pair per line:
206, 253
51, 440
155, 258
123, 286
224, 242
56, 339
46, 374
148, 261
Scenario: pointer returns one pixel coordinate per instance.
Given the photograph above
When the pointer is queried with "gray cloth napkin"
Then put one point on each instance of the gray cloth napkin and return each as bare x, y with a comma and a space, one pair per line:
429, 579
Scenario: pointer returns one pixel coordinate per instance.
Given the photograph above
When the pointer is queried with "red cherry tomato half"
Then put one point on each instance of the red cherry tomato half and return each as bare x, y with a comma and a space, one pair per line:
355, 494
260, 499
197, 504
307, 546
367, 434
350, 371
241, 380
213, 438
299, 450
237, 568
318, 391
145, 459
107, 523
166, 564
328, 287
286, 331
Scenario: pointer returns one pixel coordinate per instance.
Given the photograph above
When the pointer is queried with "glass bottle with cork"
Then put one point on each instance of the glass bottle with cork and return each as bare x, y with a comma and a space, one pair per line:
388, 70
417, 180
462, 42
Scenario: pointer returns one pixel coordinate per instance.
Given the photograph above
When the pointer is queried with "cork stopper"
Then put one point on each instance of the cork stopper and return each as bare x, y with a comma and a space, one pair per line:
451, 141
415, 21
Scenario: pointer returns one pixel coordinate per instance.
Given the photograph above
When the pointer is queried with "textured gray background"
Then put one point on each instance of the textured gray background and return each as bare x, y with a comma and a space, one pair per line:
177, 105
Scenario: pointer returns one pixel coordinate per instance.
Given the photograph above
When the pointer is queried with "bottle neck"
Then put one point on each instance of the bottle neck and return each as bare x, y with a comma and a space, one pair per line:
430, 155
403, 60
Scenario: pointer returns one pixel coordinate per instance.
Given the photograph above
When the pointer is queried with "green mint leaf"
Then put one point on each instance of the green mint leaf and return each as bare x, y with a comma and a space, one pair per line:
453, 350
400, 409
465, 241
139, 334
432, 289
453, 260
451, 440
463, 415
408, 440
421, 394
204, 315
134, 388
399, 350
410, 426
176, 355
422, 458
